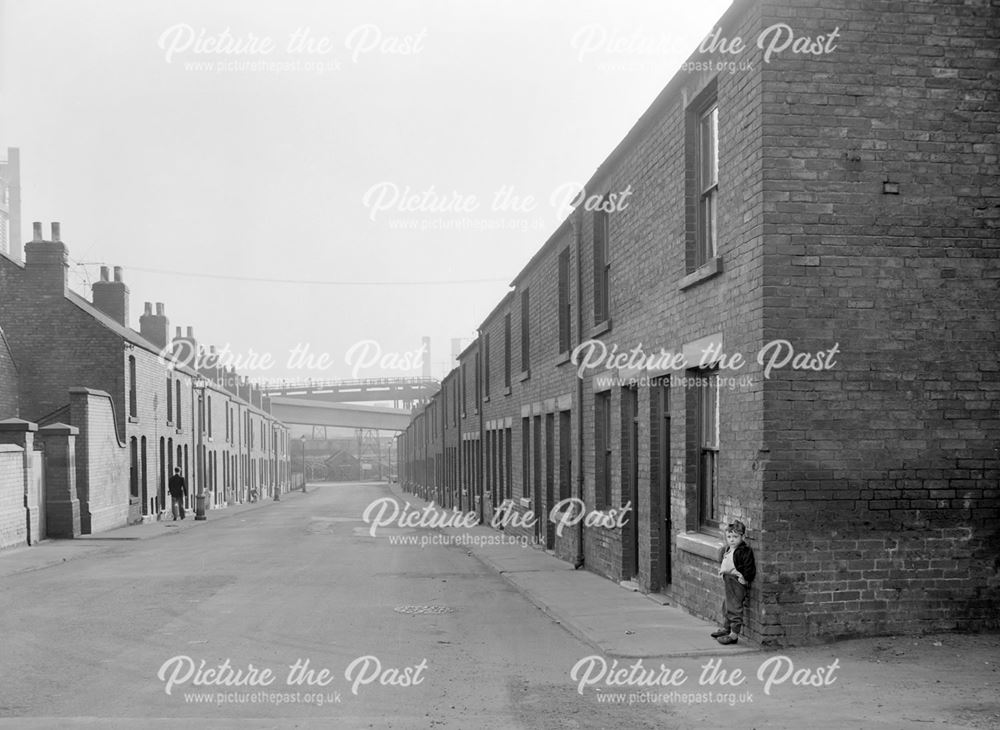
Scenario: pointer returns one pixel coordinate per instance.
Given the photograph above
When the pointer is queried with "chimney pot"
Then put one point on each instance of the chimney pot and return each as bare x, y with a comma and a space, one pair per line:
148, 308
159, 309
104, 270
118, 273
55, 231
36, 231
190, 332
178, 335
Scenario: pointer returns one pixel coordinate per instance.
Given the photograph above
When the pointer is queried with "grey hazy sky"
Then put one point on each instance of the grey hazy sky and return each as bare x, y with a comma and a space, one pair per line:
177, 161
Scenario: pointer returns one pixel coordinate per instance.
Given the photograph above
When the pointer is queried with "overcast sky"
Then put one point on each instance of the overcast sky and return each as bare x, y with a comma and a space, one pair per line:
146, 130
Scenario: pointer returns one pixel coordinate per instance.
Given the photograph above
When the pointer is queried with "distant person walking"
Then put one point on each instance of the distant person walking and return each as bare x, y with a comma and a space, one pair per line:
178, 492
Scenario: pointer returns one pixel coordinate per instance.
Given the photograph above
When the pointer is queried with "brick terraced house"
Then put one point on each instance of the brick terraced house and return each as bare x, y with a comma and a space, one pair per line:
827, 210
133, 405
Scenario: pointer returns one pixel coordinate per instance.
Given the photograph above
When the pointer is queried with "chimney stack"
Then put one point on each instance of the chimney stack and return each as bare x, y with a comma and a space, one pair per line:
243, 389
111, 297
155, 327
46, 264
184, 348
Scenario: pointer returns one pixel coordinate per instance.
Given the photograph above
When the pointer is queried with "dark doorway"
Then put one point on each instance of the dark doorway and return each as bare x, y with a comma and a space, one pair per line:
660, 420
631, 413
550, 479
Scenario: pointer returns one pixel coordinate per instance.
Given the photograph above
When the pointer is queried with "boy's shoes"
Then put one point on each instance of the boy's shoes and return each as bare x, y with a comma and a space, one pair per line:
728, 639
719, 632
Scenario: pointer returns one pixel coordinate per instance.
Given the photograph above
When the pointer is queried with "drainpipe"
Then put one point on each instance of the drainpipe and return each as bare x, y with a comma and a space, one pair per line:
577, 229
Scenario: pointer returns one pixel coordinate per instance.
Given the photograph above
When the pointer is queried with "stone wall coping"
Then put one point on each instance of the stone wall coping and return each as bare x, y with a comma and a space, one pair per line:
89, 391
58, 429
5, 448
17, 424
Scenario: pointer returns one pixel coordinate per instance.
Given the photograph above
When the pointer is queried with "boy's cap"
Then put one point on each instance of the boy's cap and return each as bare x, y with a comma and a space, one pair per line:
736, 526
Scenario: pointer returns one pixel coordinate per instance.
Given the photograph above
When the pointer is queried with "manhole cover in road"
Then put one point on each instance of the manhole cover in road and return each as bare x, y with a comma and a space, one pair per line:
423, 609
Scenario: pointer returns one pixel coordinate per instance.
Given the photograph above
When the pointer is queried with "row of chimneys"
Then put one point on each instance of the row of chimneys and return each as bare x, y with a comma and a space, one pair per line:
46, 262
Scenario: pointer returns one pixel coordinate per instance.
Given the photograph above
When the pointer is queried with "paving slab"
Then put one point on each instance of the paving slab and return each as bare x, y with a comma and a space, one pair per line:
617, 621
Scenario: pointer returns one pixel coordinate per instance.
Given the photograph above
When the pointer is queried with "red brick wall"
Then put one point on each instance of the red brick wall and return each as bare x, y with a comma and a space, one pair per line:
9, 403
881, 489
58, 346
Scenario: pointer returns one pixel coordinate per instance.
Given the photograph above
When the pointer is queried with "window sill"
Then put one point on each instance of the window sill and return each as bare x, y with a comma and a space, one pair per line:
562, 358
600, 328
526, 502
525, 374
486, 399
170, 423
133, 419
698, 543
506, 390
706, 271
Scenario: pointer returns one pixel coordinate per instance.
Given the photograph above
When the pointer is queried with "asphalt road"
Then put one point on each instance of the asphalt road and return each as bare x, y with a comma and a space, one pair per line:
213, 627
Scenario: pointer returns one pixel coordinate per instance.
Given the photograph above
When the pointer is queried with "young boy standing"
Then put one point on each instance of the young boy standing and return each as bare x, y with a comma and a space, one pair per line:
738, 569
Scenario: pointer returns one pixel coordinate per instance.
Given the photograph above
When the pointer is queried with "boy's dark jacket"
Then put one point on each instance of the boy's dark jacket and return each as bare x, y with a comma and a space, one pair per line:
743, 560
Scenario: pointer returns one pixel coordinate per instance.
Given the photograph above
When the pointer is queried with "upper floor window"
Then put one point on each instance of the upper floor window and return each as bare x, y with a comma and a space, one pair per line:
464, 376
506, 350
486, 364
133, 396
564, 305
601, 267
708, 183
477, 379
525, 333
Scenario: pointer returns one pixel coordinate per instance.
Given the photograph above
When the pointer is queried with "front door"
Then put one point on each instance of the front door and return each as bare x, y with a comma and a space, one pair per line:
550, 478
661, 418
632, 394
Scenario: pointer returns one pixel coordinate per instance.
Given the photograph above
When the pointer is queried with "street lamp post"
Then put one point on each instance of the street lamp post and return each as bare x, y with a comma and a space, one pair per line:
200, 384
303, 439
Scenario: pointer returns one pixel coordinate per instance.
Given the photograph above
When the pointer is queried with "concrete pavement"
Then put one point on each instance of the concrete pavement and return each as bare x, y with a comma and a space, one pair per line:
54, 552
614, 620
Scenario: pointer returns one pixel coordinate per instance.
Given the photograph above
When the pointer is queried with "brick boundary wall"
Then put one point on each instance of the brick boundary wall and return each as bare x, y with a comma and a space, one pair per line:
102, 461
